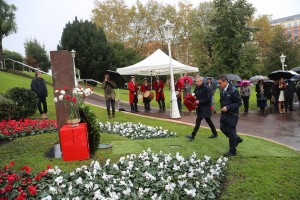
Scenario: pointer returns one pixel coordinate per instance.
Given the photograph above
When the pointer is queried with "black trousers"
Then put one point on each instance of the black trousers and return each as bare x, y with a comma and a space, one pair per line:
290, 102
230, 132
161, 102
246, 102
198, 123
133, 105
112, 103
179, 104
146, 103
42, 100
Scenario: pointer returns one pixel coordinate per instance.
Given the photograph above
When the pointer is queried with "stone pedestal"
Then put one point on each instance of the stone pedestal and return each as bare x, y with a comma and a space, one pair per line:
62, 76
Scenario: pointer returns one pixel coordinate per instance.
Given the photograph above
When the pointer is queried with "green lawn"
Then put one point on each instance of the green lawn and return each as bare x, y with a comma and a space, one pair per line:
261, 170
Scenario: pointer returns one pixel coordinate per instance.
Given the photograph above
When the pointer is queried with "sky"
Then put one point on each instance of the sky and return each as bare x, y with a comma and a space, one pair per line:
45, 20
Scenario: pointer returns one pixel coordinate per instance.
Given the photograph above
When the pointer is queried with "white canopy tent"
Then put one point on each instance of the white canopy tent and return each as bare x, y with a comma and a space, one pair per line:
156, 64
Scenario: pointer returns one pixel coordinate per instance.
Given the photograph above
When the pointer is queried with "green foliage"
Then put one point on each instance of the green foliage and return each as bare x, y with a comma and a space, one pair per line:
15, 56
87, 116
36, 54
93, 53
7, 108
26, 101
7, 22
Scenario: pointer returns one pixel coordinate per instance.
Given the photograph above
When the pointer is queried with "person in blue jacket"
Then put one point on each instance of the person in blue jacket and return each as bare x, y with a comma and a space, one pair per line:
230, 101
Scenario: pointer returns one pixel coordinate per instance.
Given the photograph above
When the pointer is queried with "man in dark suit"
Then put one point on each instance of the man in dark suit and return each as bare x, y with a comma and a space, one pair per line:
203, 95
230, 102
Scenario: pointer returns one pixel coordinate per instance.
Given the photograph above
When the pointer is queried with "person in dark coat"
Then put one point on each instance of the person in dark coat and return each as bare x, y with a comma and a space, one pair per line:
38, 85
213, 88
230, 101
298, 91
203, 95
108, 86
261, 96
275, 92
290, 92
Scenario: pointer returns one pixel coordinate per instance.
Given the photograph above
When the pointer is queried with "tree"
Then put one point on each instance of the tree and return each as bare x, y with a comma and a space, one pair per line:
230, 33
36, 55
93, 52
14, 56
7, 22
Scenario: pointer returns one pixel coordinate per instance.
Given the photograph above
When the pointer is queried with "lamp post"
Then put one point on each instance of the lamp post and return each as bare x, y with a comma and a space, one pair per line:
168, 29
282, 59
73, 56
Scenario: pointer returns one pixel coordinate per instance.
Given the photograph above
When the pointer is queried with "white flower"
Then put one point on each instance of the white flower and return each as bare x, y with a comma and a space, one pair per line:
59, 180
55, 99
56, 91
122, 160
52, 190
113, 195
127, 192
170, 187
191, 192
61, 97
116, 166
97, 195
47, 198
62, 92
79, 181
107, 162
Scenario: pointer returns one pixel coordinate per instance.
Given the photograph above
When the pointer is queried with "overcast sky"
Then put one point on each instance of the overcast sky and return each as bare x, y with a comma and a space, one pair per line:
45, 19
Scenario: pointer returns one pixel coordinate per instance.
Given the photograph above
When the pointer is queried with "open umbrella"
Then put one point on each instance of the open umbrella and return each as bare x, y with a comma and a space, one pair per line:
189, 78
114, 76
233, 77
276, 75
257, 78
241, 83
296, 69
213, 80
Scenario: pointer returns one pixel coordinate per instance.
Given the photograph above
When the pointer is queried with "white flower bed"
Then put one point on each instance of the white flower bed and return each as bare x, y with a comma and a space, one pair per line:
144, 176
135, 131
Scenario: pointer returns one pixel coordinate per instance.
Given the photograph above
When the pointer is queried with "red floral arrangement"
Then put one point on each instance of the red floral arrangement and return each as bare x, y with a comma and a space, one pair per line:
12, 129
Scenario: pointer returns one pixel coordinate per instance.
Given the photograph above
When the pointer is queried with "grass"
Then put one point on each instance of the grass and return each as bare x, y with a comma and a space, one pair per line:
261, 170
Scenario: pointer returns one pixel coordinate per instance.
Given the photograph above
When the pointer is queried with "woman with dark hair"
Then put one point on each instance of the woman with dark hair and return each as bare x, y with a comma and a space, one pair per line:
187, 88
261, 96
281, 98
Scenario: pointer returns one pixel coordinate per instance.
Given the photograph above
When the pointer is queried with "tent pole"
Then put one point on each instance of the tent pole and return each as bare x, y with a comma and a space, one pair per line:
151, 81
118, 99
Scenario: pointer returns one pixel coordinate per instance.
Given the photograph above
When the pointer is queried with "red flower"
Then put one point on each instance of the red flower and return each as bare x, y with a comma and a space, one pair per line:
68, 97
21, 196
5, 167
27, 169
12, 163
32, 190
49, 166
74, 100
11, 178
8, 188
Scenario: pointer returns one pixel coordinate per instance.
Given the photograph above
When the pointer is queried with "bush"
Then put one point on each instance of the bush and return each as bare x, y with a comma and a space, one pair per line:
7, 108
26, 101
87, 116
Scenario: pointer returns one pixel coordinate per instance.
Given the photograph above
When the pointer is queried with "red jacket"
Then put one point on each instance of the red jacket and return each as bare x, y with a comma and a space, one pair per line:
156, 87
133, 88
178, 87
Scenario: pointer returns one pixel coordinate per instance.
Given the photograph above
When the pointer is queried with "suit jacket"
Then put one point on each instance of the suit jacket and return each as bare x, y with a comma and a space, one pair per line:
232, 100
203, 95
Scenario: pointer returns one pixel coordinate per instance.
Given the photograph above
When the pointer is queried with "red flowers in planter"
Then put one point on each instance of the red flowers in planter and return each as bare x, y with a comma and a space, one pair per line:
12, 129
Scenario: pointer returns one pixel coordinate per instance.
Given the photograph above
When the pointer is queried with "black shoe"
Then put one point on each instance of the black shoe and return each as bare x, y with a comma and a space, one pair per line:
190, 137
239, 140
137, 111
292, 110
228, 154
164, 109
160, 108
214, 112
213, 136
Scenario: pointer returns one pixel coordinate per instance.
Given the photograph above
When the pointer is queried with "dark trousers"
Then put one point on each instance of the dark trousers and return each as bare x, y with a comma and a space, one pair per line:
290, 102
133, 105
230, 132
198, 123
298, 95
161, 103
146, 104
42, 100
179, 104
112, 103
246, 102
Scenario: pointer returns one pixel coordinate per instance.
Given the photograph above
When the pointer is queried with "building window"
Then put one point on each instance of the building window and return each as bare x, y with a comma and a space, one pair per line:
288, 25
295, 24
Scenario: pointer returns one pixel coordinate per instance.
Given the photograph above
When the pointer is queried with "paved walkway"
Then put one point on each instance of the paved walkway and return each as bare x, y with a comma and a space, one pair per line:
281, 128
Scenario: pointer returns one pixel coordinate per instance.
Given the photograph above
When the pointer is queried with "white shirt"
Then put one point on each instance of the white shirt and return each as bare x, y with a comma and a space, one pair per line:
225, 89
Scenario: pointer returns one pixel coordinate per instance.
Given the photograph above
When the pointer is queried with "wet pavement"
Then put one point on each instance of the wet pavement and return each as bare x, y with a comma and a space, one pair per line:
281, 128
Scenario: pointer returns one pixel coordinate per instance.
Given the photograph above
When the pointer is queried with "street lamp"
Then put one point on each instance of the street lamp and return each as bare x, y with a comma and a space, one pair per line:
282, 59
168, 29
73, 56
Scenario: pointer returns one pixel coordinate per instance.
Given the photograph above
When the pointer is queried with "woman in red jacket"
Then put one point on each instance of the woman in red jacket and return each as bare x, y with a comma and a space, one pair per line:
133, 92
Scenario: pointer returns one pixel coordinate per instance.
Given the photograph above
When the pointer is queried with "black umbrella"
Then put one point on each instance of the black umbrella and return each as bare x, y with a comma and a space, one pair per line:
213, 80
296, 69
276, 75
233, 77
114, 76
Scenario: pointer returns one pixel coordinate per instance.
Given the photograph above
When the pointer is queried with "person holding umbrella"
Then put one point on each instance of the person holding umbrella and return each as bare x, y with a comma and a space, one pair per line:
261, 96
109, 94
245, 94
281, 98
133, 93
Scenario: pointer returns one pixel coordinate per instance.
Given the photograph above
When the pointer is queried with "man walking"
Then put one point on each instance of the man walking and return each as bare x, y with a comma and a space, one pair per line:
38, 85
230, 102
109, 94
203, 95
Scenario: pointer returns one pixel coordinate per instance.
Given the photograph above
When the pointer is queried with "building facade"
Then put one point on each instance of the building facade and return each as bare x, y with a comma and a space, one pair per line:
291, 25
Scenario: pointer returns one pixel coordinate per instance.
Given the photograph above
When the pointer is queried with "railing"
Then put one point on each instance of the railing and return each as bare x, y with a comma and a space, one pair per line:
14, 61
86, 80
